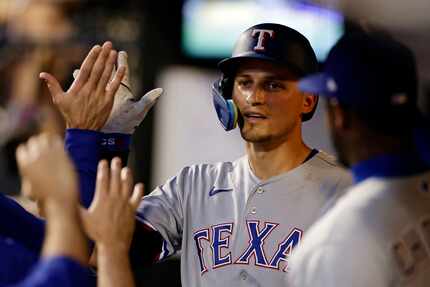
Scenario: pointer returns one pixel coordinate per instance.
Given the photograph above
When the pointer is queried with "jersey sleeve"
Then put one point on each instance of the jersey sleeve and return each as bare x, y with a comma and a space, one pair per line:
146, 246
20, 225
57, 271
162, 211
16, 261
83, 147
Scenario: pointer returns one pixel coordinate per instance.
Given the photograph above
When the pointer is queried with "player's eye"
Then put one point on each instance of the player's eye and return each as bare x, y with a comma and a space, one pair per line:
274, 86
244, 83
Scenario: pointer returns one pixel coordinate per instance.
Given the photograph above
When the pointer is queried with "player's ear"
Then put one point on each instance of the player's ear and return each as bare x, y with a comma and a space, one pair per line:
309, 102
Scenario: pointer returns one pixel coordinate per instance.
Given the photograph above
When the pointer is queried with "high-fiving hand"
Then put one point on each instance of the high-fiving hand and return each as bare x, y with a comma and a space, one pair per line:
47, 171
110, 220
89, 100
128, 109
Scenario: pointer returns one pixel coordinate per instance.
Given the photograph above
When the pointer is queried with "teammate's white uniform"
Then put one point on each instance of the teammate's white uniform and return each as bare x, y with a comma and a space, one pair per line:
234, 229
376, 235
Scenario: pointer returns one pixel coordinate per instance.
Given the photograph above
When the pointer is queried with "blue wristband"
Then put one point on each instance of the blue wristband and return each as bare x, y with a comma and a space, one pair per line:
87, 148
115, 142
94, 141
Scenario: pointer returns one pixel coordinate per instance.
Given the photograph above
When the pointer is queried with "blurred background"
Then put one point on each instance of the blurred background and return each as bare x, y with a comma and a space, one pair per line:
174, 45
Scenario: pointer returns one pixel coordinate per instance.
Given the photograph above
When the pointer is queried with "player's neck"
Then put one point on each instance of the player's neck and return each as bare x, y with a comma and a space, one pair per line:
269, 160
358, 149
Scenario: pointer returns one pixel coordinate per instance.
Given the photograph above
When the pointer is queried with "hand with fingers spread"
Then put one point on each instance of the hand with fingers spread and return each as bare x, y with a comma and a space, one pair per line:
89, 100
110, 219
128, 109
110, 222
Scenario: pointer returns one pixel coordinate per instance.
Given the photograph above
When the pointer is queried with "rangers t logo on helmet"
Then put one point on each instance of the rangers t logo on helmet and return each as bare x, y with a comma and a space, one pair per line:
262, 37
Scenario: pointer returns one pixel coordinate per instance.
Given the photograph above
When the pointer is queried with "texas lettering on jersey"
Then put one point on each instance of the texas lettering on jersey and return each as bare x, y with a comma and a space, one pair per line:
218, 236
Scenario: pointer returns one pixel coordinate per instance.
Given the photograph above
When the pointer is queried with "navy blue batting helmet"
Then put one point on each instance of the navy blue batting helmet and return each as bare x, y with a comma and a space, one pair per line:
270, 42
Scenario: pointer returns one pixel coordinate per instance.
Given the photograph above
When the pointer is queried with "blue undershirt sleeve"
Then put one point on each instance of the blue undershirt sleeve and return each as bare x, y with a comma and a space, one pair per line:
83, 147
58, 271
21, 225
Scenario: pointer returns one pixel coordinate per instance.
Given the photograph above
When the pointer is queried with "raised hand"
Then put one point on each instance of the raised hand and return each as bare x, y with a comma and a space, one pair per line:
50, 178
128, 109
88, 101
46, 169
110, 220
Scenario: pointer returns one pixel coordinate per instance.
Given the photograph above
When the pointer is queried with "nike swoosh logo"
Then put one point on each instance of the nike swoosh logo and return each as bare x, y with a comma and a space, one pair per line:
214, 191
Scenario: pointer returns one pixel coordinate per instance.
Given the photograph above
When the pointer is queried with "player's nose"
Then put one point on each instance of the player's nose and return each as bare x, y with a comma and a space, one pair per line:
255, 97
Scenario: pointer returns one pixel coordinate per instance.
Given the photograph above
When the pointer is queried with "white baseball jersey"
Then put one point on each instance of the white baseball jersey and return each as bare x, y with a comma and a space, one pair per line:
234, 229
378, 234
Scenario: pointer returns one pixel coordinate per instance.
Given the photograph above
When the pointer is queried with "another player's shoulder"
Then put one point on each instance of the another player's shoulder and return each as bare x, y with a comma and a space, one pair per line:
378, 194
367, 200
328, 243
337, 228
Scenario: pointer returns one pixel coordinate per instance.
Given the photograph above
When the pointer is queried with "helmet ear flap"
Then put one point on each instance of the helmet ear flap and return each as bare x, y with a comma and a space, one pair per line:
225, 108
227, 87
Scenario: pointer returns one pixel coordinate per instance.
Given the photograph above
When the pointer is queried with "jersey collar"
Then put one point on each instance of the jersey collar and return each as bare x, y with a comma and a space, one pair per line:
389, 165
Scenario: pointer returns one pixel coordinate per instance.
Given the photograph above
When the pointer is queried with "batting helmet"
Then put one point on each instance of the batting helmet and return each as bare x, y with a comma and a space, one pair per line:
268, 42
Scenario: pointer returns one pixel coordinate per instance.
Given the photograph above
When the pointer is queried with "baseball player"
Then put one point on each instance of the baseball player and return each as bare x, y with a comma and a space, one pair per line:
378, 234
236, 223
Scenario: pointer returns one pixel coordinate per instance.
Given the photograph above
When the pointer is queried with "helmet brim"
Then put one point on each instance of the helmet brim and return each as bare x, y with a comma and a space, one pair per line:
319, 83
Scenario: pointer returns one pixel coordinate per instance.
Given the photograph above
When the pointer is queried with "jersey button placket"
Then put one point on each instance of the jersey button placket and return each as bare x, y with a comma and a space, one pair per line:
258, 191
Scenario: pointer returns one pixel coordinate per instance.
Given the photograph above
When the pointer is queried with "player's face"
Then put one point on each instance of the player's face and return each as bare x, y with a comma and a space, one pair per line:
269, 101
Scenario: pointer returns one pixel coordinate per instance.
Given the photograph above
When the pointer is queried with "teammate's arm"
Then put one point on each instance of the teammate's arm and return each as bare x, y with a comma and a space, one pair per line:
16, 261
88, 143
85, 106
17, 223
100, 111
75, 98
110, 222
49, 176
57, 271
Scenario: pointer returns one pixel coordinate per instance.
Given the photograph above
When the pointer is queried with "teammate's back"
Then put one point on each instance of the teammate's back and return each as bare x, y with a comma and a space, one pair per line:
390, 246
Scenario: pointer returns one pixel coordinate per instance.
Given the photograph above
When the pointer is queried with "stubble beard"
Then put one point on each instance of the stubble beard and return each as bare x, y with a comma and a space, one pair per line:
255, 136
252, 134
260, 135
